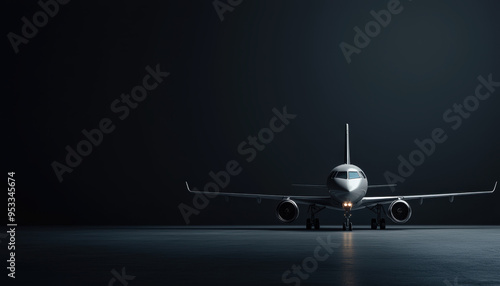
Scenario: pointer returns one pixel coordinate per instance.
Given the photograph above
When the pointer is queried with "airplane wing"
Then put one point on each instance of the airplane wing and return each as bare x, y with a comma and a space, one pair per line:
320, 200
371, 201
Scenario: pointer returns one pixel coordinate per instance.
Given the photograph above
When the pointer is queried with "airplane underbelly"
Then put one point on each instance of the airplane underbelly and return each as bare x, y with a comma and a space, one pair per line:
345, 196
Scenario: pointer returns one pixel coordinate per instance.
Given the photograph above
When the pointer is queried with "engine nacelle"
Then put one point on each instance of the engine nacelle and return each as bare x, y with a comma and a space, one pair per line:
399, 211
287, 211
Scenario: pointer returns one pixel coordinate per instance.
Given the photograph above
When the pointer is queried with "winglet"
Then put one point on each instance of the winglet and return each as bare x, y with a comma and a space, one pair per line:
494, 187
347, 155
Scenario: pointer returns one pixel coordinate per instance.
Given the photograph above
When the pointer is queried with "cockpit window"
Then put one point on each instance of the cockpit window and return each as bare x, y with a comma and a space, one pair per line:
354, 175
363, 174
333, 174
341, 175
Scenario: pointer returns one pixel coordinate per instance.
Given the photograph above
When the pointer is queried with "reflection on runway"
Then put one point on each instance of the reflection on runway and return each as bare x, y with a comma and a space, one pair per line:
348, 262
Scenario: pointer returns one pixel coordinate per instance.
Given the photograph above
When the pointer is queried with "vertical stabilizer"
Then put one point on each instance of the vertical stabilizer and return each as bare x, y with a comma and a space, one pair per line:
347, 154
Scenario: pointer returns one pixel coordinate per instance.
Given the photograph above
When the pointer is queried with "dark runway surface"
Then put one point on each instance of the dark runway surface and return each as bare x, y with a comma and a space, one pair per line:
256, 255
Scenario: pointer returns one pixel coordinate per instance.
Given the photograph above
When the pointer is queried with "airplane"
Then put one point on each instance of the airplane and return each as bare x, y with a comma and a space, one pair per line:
345, 189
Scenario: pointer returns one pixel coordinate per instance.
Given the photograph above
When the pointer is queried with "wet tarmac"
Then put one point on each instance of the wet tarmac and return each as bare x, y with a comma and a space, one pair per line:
255, 255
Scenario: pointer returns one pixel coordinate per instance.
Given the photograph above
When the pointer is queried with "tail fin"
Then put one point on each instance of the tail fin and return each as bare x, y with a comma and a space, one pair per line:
347, 155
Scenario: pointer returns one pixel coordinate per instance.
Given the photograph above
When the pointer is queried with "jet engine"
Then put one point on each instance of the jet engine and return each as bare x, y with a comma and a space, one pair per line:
399, 211
287, 211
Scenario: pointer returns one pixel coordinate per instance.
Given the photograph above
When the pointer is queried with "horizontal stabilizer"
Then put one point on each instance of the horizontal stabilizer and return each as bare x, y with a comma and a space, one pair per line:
381, 186
307, 186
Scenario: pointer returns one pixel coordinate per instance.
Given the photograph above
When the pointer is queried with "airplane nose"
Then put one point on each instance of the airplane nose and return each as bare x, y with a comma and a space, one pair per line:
346, 188
350, 188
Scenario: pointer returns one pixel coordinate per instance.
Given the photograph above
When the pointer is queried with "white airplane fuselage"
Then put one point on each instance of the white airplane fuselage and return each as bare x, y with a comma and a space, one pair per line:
347, 183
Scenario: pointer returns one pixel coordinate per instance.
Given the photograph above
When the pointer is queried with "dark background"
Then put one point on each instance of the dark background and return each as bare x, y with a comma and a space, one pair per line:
225, 78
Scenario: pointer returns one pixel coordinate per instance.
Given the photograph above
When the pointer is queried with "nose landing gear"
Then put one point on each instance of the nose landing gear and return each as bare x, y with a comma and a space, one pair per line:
347, 225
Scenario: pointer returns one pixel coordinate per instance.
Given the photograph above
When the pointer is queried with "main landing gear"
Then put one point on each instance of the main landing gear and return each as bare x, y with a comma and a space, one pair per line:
347, 225
312, 221
379, 221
